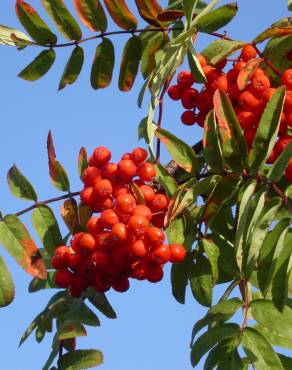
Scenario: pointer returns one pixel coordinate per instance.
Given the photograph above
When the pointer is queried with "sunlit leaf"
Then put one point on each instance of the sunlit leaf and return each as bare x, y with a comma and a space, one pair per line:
33, 24
69, 213
121, 14
39, 66
7, 290
19, 185
70, 329
278, 168
73, 68
13, 37
221, 49
18, 242
195, 65
246, 72
80, 359
149, 10
46, 227
165, 180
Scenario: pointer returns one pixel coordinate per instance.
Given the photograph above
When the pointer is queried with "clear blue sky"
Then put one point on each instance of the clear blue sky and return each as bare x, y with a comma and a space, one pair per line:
152, 331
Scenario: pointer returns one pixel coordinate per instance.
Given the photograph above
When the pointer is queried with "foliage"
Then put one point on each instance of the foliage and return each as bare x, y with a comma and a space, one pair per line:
228, 207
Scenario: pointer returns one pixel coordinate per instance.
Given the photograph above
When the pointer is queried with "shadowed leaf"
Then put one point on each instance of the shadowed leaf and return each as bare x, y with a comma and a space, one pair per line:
73, 68
19, 185
64, 21
82, 161
121, 14
39, 66
18, 242
39, 284
130, 63
91, 14
100, 301
103, 65
149, 10
69, 213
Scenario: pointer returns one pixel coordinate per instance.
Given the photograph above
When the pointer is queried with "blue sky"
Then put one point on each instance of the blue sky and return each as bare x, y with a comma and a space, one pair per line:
152, 331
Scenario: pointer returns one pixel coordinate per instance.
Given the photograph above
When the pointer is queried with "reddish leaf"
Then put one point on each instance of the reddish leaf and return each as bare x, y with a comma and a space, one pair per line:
91, 14
149, 10
82, 161
170, 15
33, 24
16, 239
121, 14
58, 175
246, 72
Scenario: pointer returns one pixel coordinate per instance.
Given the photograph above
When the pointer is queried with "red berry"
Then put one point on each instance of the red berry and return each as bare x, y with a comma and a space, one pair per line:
91, 175
139, 155
109, 218
126, 170
249, 136
248, 52
189, 98
161, 254
100, 156
125, 203
63, 278
103, 188
109, 171
288, 171
146, 171
188, 118
138, 248
154, 273
142, 210
155, 236
174, 92
93, 225
148, 193
287, 78
121, 285
246, 119
159, 203
61, 258
119, 232
137, 225
87, 243
177, 253
185, 79
86, 196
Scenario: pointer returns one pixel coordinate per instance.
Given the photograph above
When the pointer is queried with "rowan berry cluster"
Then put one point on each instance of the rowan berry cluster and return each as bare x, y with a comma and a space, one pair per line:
248, 103
124, 238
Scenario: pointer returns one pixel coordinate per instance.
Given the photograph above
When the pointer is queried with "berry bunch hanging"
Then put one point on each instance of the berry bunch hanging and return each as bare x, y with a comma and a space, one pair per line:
249, 101
124, 237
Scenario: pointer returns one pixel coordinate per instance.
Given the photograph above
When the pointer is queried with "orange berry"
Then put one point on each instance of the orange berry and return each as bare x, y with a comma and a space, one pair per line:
137, 225
146, 171
109, 218
287, 78
148, 193
126, 170
119, 232
125, 203
139, 155
142, 210
110, 170
87, 243
86, 196
177, 253
248, 52
103, 188
138, 248
154, 236
90, 176
161, 254
100, 156
93, 225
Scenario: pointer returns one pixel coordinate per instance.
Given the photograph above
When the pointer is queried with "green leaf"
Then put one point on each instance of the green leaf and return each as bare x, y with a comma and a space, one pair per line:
282, 275
259, 351
278, 168
103, 65
91, 14
179, 280
100, 301
19, 185
286, 361
195, 66
64, 21
150, 47
13, 37
243, 219
73, 68
53, 355
7, 290
40, 284
80, 312
58, 174
146, 131
39, 66
189, 7
70, 329
18, 242
272, 246
201, 281
217, 18
221, 49
121, 14
213, 253
289, 4
212, 337
222, 312
149, 10
82, 161
267, 131
69, 213
181, 152
212, 149
130, 63
275, 31
258, 235
280, 340
165, 180
46, 227
80, 359
33, 24
233, 143
266, 314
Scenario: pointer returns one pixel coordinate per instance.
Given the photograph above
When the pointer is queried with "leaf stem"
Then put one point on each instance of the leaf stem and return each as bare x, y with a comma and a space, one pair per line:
267, 61
48, 201
160, 115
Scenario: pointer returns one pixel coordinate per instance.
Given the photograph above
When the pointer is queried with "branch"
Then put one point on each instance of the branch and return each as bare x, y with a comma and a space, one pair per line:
53, 200
267, 61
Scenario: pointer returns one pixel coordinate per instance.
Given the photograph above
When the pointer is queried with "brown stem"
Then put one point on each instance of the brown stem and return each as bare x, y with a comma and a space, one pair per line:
53, 200
160, 115
267, 61
244, 293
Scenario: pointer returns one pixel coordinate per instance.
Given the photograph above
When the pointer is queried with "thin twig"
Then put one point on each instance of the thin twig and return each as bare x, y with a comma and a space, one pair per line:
53, 200
267, 61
